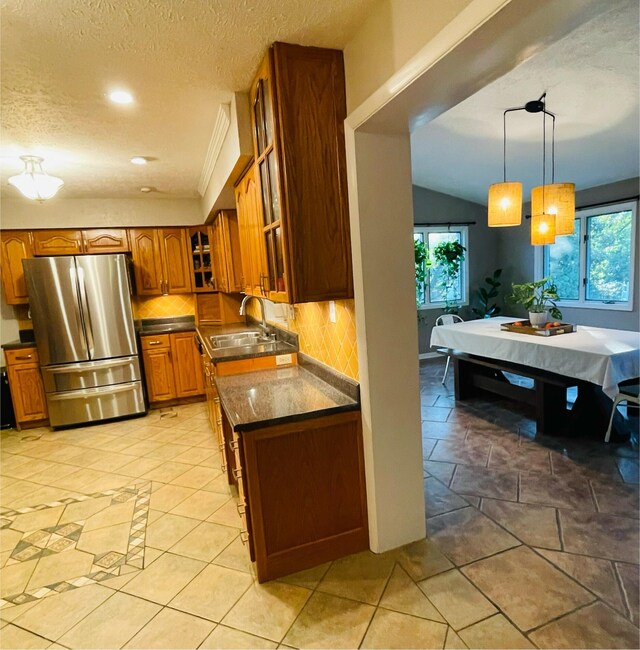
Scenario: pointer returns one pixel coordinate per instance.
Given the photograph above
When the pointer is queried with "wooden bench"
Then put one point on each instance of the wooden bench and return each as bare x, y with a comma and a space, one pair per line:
548, 395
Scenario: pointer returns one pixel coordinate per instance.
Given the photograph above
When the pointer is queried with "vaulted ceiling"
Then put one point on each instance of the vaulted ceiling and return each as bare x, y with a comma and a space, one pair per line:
591, 78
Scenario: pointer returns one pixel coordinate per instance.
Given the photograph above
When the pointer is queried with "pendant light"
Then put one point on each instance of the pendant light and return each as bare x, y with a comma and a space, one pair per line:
558, 199
543, 224
505, 199
34, 183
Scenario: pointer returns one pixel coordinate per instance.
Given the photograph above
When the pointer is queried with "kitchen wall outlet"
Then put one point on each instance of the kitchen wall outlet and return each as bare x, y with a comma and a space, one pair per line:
284, 360
332, 311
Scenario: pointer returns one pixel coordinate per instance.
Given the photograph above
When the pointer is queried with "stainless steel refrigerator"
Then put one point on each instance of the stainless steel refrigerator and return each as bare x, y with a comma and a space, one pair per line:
83, 325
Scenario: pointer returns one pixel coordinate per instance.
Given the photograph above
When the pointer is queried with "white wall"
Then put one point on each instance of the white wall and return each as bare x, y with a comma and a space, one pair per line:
392, 34
19, 213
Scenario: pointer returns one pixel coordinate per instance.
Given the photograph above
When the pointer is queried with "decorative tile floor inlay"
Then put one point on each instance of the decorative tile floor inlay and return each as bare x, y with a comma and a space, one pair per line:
56, 539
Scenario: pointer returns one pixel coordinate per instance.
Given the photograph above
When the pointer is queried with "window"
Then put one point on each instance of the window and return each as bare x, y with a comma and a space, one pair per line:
594, 267
431, 293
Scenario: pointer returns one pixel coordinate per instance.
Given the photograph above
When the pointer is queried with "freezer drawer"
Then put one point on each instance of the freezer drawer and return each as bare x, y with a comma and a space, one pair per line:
94, 404
90, 374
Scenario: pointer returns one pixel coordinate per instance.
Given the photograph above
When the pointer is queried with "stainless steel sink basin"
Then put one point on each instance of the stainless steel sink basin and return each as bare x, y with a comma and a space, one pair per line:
239, 340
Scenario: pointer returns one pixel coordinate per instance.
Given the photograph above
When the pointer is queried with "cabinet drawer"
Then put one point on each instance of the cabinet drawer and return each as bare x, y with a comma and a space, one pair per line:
21, 355
155, 342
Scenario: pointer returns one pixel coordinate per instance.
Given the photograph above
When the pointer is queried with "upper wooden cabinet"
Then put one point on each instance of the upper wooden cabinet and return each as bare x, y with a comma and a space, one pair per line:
252, 243
15, 247
298, 109
227, 257
160, 260
200, 259
78, 242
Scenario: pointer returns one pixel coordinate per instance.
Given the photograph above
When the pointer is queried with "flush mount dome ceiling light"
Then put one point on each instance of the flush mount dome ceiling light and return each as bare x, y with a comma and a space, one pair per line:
139, 160
34, 183
121, 97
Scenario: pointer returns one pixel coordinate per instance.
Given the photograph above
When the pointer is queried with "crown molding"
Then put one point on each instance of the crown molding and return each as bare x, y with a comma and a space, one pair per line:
220, 128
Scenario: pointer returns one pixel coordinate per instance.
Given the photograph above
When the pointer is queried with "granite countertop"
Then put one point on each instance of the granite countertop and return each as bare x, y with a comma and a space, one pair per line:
276, 347
268, 397
16, 345
165, 325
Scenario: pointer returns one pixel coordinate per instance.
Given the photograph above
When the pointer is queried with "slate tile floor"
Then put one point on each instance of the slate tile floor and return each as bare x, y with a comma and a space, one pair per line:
125, 535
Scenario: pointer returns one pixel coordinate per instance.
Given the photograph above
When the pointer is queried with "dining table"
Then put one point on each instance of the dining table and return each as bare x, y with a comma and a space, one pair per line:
594, 359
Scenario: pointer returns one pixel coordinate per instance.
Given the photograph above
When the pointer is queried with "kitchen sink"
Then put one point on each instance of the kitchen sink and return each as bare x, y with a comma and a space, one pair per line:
240, 340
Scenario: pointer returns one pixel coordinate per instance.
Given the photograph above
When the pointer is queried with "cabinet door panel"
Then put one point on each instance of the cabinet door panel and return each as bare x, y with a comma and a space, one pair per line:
147, 261
313, 170
158, 371
27, 392
111, 240
57, 242
187, 367
16, 246
231, 237
176, 264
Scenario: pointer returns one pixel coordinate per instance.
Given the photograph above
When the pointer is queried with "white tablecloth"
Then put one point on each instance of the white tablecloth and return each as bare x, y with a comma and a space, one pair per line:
602, 356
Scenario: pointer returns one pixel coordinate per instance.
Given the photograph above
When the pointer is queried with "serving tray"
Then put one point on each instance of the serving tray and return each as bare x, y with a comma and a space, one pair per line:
527, 328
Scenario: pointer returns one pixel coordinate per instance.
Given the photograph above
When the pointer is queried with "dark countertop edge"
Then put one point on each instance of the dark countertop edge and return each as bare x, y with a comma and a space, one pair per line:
298, 417
165, 325
350, 387
16, 345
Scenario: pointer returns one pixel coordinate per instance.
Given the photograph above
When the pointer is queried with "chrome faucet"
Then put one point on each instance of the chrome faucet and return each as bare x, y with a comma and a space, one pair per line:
263, 325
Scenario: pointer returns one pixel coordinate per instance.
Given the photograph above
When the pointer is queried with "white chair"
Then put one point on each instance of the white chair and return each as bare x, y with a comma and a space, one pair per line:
626, 393
447, 319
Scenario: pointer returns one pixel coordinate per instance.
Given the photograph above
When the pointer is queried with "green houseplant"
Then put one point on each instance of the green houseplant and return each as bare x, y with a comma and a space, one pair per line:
484, 296
422, 266
449, 255
538, 298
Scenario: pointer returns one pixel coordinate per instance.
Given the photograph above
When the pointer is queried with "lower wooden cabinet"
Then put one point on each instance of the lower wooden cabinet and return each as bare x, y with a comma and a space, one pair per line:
27, 389
171, 366
302, 494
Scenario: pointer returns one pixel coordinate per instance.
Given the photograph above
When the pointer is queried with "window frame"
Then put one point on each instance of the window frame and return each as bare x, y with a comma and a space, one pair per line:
464, 267
583, 215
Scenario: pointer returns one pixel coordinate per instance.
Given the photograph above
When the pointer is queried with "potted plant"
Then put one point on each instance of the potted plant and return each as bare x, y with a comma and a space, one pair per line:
485, 309
538, 298
422, 266
448, 255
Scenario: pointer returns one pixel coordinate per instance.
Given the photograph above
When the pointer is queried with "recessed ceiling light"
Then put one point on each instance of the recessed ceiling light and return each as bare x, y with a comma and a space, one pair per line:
139, 160
121, 97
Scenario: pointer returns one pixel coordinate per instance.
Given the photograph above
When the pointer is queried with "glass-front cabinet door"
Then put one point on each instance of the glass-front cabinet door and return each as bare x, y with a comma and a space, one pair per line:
273, 284
200, 256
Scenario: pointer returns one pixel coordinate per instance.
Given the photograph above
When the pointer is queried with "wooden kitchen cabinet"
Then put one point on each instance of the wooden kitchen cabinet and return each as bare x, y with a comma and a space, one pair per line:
171, 366
253, 263
201, 259
301, 174
302, 494
227, 256
16, 245
57, 242
80, 242
26, 386
160, 261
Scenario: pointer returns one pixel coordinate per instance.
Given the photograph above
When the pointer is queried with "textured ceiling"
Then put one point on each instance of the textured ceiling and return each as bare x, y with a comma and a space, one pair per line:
592, 82
180, 59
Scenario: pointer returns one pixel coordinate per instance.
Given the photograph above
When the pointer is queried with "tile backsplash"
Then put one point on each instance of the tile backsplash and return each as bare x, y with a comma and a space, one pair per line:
334, 344
164, 306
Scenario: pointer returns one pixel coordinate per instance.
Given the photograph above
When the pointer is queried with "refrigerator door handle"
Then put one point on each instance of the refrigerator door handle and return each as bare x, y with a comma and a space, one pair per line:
85, 311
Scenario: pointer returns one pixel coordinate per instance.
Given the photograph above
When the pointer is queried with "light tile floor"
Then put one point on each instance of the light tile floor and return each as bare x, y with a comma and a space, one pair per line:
125, 535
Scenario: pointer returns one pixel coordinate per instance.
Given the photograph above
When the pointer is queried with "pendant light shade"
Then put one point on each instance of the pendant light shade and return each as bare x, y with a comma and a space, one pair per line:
34, 183
560, 200
543, 229
505, 205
